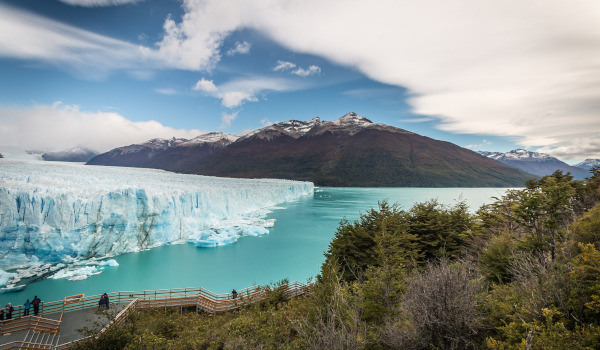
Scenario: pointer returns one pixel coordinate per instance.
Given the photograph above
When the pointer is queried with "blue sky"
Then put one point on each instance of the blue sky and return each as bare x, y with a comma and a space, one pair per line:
494, 75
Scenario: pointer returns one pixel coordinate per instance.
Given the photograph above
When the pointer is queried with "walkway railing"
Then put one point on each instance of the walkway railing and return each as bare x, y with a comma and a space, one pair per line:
198, 297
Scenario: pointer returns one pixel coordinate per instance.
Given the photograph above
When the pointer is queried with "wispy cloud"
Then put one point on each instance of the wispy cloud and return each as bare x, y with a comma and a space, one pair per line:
479, 146
206, 86
312, 70
242, 48
236, 92
60, 126
98, 3
166, 91
227, 119
283, 66
418, 120
28, 36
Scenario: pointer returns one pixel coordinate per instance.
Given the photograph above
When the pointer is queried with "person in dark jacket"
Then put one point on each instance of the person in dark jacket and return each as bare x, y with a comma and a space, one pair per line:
9, 310
36, 305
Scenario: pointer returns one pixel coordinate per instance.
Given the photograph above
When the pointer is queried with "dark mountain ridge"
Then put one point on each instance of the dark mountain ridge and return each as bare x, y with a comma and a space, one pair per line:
349, 151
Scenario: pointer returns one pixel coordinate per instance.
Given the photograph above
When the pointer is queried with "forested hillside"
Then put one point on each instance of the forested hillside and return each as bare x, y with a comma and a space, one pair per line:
521, 273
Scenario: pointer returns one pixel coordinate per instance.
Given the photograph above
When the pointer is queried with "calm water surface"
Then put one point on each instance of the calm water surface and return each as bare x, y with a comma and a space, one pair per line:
293, 249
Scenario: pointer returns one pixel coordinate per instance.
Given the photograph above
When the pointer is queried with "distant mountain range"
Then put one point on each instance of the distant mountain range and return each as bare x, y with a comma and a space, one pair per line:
539, 164
349, 151
588, 164
74, 155
178, 155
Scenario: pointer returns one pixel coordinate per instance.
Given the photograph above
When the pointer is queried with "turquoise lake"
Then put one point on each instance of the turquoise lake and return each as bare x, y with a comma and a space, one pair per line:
293, 249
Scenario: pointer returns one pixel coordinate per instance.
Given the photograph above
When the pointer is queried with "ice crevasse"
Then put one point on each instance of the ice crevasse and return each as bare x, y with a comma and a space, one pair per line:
60, 212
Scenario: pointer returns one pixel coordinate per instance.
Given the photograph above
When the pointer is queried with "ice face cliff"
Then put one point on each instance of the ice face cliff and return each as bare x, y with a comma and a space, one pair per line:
57, 212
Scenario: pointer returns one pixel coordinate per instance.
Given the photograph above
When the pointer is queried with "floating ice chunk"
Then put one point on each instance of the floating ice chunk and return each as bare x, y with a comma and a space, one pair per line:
77, 274
224, 236
111, 262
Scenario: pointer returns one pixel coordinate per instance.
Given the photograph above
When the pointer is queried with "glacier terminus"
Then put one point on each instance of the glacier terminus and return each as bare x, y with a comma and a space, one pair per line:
56, 216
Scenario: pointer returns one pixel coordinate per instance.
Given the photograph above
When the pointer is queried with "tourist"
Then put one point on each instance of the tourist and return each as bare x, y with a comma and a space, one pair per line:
1, 314
105, 296
36, 305
9, 310
26, 308
234, 293
101, 302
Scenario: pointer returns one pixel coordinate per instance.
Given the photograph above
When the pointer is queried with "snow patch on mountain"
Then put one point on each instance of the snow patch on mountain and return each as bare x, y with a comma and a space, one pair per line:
352, 119
211, 137
588, 164
517, 154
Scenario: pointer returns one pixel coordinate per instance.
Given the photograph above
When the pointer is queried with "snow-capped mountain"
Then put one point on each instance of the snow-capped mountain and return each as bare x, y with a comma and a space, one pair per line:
588, 164
348, 151
78, 154
165, 154
535, 163
353, 151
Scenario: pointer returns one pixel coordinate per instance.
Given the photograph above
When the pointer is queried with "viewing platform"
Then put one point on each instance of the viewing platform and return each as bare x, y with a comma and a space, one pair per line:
56, 326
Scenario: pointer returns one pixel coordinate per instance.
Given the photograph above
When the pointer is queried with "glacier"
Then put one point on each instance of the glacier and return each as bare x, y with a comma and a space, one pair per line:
61, 213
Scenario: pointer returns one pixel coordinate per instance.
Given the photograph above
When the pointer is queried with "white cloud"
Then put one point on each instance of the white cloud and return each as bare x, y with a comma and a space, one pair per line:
283, 66
98, 3
306, 72
226, 119
236, 98
498, 67
236, 92
242, 48
205, 85
60, 127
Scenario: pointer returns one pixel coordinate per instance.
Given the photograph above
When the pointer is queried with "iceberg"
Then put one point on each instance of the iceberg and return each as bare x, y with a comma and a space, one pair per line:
59, 212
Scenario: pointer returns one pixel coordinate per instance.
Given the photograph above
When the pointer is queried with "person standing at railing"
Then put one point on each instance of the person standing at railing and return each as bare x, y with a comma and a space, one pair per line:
36, 305
26, 308
103, 301
9, 310
234, 293
1, 314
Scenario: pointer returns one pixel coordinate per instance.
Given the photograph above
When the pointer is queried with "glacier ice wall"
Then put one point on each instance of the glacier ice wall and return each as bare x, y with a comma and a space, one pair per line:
60, 212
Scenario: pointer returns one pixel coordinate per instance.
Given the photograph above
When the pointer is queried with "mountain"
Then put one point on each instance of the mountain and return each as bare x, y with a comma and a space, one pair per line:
74, 155
588, 164
539, 164
174, 154
353, 151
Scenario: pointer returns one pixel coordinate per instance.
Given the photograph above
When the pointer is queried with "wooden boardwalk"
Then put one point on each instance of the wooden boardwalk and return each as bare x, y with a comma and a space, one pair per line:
56, 326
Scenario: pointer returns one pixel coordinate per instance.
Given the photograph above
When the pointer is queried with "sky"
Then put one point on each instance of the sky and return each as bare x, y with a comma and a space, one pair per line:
490, 75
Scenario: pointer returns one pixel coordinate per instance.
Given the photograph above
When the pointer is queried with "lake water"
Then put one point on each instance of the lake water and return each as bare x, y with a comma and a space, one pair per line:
293, 249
